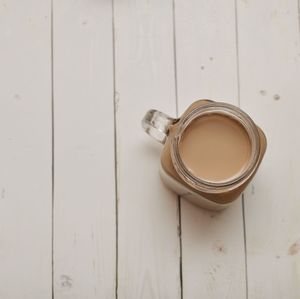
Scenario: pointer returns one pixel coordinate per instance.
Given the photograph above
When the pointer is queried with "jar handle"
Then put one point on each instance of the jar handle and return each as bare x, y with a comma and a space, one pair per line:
156, 124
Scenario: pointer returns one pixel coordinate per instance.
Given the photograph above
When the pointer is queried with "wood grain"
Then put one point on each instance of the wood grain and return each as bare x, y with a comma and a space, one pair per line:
148, 215
84, 201
269, 49
113, 227
212, 243
25, 152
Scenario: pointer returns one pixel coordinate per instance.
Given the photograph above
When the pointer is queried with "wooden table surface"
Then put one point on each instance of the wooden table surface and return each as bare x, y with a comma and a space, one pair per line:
83, 213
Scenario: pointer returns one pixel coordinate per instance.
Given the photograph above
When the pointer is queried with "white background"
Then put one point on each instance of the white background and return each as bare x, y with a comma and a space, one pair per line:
83, 213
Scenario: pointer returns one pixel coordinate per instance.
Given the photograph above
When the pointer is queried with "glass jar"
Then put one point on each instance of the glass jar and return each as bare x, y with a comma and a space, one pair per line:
179, 177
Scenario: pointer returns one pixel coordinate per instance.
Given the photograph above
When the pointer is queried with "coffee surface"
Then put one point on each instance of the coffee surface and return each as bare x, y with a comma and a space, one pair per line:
215, 148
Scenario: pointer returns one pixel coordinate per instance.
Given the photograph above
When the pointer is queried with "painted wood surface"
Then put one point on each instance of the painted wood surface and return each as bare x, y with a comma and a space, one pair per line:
25, 159
269, 55
212, 243
112, 230
84, 198
148, 242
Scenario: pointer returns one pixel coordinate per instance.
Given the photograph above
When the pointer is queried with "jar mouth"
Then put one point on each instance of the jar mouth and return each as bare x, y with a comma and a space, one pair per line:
229, 111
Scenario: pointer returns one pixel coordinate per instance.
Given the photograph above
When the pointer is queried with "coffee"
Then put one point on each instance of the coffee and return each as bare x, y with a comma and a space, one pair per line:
210, 153
215, 148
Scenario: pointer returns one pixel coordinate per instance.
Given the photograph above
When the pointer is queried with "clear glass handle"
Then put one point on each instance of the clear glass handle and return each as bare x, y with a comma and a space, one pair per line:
156, 124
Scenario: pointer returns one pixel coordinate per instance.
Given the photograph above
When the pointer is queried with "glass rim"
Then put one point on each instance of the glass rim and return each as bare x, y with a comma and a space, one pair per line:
230, 111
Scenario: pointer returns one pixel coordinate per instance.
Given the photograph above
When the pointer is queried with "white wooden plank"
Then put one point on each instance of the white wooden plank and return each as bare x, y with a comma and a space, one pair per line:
148, 216
25, 151
212, 243
269, 49
84, 202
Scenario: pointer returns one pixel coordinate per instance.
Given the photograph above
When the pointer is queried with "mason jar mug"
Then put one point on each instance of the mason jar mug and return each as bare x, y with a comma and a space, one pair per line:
210, 153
